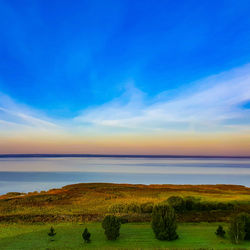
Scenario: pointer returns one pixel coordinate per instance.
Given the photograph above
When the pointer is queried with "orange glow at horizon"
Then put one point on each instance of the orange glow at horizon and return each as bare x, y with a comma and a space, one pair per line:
165, 144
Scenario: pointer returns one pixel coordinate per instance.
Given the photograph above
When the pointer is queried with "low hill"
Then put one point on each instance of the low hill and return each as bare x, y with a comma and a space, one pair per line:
91, 201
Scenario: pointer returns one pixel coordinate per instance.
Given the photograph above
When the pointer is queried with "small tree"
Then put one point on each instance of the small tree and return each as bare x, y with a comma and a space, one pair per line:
237, 229
164, 222
86, 235
220, 231
111, 224
52, 233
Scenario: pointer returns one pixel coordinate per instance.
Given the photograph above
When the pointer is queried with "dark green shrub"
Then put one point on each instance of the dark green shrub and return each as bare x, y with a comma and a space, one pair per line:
220, 231
164, 222
237, 229
177, 203
111, 224
132, 208
52, 233
86, 235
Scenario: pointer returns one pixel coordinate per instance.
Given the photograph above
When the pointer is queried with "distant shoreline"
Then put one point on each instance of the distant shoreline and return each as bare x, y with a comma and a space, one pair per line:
115, 156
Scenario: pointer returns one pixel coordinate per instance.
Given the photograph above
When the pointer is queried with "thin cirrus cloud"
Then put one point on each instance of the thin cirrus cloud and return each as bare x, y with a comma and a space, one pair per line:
214, 104
15, 117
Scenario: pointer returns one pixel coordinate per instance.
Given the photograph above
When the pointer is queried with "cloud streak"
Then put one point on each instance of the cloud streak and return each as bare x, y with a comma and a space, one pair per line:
212, 104
18, 118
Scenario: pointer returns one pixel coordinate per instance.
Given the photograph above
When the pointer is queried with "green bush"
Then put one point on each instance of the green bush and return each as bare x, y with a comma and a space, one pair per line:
220, 231
132, 208
86, 235
194, 204
111, 224
164, 222
52, 233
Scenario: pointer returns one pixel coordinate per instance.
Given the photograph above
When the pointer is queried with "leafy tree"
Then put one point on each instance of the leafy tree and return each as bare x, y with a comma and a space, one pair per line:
164, 222
86, 235
111, 224
247, 228
237, 229
220, 231
52, 233
177, 203
246, 220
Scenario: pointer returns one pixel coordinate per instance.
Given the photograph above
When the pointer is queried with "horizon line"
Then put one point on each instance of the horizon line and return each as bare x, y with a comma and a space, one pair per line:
118, 156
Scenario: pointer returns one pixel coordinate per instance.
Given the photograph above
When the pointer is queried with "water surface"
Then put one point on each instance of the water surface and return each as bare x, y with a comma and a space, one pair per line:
38, 173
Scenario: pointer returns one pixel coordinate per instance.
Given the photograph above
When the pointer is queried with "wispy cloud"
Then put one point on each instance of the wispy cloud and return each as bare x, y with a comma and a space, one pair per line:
211, 104
214, 104
18, 117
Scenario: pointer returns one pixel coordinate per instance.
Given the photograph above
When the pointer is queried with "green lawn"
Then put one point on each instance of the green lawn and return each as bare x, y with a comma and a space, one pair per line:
133, 235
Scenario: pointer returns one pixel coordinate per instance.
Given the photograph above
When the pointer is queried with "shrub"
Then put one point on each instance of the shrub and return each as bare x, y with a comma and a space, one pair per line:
220, 231
111, 224
52, 233
131, 208
86, 235
177, 203
237, 229
164, 222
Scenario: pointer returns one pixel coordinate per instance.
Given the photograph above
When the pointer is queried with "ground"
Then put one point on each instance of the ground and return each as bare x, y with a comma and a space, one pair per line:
92, 201
133, 236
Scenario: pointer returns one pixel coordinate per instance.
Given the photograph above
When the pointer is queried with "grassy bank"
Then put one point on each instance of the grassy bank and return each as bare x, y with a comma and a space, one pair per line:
133, 236
91, 201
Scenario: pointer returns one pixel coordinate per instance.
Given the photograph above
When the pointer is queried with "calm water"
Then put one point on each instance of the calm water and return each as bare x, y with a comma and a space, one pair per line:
30, 174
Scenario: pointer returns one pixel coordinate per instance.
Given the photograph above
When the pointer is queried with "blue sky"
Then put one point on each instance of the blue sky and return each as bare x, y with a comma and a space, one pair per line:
86, 64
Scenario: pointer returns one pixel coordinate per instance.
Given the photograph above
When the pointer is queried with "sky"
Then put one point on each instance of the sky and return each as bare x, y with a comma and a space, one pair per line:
125, 77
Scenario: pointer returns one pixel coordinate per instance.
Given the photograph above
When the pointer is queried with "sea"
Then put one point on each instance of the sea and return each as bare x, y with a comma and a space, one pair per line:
29, 174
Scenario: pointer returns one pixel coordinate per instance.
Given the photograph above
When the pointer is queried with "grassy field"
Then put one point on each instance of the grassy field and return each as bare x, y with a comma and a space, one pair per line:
91, 201
133, 236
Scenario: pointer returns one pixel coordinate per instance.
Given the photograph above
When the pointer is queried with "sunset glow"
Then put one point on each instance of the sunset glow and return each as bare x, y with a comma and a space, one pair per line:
125, 88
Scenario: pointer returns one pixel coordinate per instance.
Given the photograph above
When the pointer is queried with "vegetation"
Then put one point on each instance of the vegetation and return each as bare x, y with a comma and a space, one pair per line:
237, 229
52, 233
164, 205
132, 236
220, 231
177, 203
131, 203
164, 223
246, 220
111, 224
86, 235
